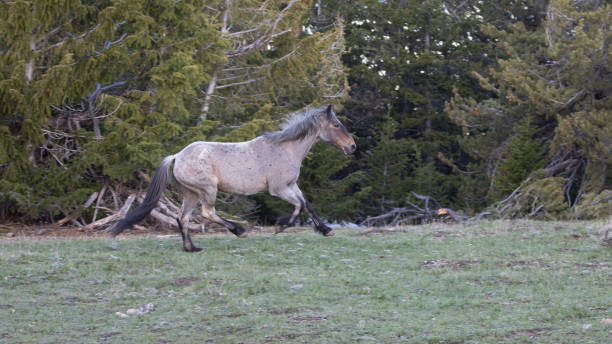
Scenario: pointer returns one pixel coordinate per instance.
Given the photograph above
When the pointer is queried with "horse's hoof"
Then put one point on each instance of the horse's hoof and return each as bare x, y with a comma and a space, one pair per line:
330, 233
243, 235
192, 249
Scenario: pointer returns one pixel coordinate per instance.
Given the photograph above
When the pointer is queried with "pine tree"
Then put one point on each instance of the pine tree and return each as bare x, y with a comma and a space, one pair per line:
555, 73
386, 164
406, 58
521, 156
94, 94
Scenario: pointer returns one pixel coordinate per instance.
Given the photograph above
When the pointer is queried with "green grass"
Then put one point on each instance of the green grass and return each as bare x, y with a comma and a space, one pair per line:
488, 282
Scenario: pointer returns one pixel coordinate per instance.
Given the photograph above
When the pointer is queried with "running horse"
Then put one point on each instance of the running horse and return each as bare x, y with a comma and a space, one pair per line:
270, 162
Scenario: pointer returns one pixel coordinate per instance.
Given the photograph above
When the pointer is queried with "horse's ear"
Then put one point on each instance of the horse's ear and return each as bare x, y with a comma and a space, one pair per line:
329, 110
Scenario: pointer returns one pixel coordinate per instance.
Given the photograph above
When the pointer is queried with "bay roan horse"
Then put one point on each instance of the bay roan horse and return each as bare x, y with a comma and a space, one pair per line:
270, 162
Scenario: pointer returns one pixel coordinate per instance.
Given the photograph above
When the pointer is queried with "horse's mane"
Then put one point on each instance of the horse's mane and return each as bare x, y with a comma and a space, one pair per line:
297, 126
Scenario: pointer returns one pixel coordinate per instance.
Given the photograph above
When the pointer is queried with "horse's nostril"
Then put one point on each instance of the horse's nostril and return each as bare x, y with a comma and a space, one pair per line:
353, 147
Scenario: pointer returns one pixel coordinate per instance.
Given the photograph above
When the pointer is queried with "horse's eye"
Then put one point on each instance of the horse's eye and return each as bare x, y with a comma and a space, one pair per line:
336, 125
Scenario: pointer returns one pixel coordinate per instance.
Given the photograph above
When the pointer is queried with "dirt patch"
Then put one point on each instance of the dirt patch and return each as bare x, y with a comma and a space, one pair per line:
281, 338
284, 337
179, 282
601, 265
532, 333
442, 234
235, 330
287, 310
71, 300
312, 317
498, 280
536, 262
185, 281
16, 232
566, 249
444, 263
378, 231
236, 315
109, 334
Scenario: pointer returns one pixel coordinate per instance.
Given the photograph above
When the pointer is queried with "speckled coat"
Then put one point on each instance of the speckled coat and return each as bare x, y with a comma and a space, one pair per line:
270, 162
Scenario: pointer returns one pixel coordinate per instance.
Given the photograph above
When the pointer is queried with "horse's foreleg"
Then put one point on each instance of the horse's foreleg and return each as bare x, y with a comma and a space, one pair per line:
289, 195
319, 225
190, 201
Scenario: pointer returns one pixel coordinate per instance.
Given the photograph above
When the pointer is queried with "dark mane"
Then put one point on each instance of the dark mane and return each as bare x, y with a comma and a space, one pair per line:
297, 126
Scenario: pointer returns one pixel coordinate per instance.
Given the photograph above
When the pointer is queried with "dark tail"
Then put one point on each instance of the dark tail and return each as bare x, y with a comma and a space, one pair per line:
154, 193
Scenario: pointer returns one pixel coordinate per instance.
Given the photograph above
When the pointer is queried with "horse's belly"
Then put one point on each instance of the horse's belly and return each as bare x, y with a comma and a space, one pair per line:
245, 185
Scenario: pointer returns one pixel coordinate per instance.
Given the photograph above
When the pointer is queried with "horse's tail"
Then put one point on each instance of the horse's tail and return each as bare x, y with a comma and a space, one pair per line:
154, 193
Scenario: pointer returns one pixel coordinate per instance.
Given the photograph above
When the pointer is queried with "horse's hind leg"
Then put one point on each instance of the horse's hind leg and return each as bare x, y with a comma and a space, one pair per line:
190, 201
208, 211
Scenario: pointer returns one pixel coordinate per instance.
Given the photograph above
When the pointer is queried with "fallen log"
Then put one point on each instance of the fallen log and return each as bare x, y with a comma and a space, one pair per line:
100, 196
72, 217
114, 217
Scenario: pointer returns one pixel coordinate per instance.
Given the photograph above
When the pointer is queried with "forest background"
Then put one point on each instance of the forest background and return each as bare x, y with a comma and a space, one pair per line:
491, 108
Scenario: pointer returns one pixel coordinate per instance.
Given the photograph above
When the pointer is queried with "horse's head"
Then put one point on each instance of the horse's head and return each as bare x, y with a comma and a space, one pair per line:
334, 132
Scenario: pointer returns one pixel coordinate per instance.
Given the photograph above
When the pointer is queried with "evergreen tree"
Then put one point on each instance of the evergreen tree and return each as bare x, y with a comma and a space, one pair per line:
556, 74
386, 164
405, 59
521, 156
94, 94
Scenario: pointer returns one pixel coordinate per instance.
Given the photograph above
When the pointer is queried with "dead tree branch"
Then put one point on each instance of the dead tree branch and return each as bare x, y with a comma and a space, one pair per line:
429, 210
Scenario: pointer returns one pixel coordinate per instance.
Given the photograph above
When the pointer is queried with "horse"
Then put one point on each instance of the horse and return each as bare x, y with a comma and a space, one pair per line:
270, 162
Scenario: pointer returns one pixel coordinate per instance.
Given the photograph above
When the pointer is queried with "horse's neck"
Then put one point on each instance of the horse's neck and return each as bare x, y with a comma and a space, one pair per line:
300, 148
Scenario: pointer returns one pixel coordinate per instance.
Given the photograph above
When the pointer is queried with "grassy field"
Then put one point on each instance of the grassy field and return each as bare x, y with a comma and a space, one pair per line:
487, 282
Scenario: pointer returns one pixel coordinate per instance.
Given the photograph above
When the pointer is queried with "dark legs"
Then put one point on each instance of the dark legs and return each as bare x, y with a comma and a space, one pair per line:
188, 246
208, 211
233, 227
210, 214
190, 200
293, 195
288, 221
319, 225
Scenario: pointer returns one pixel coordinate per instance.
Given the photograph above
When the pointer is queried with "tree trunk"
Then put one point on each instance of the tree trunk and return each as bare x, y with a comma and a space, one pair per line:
207, 97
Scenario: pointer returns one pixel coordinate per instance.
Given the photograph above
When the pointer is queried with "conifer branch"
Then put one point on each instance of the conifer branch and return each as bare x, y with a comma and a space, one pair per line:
570, 100
60, 43
255, 45
266, 37
238, 83
238, 33
267, 65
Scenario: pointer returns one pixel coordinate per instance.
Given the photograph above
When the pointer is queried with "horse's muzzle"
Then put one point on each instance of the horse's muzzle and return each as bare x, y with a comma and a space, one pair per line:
350, 149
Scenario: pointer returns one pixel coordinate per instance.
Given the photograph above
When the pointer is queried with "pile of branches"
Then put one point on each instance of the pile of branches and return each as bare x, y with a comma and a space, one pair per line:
429, 210
107, 202
546, 193
111, 204
540, 196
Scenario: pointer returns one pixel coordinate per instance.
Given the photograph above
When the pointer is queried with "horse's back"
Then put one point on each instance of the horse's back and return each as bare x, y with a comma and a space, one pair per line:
231, 167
